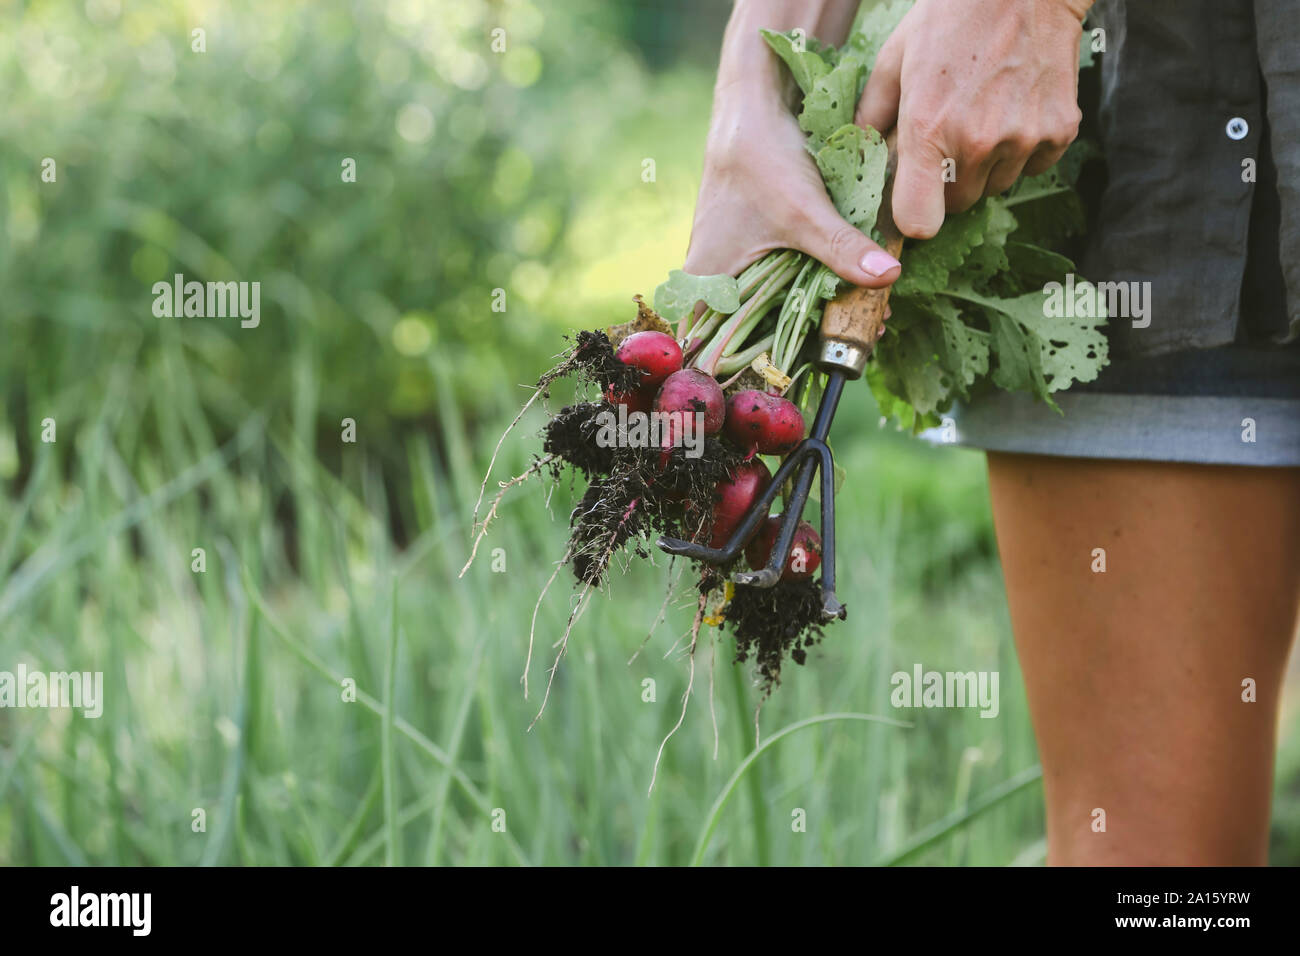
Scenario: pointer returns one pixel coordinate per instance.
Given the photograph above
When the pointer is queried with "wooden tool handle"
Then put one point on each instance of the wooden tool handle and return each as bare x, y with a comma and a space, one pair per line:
853, 320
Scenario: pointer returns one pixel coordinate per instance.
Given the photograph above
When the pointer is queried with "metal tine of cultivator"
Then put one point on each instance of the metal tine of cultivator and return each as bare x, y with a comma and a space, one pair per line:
755, 516
815, 454
811, 454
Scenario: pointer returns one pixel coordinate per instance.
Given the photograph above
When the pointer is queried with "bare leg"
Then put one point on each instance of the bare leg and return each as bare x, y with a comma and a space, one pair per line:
1135, 675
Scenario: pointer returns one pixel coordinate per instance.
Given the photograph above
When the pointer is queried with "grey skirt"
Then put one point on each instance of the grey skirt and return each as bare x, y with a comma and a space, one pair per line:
1190, 95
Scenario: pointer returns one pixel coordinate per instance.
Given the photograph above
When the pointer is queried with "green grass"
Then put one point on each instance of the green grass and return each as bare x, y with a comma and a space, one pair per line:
225, 689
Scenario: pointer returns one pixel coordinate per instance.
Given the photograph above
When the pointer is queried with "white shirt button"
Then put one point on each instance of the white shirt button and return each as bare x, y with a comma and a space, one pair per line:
1237, 128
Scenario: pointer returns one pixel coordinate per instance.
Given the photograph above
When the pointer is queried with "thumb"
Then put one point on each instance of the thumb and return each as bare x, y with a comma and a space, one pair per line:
878, 107
849, 253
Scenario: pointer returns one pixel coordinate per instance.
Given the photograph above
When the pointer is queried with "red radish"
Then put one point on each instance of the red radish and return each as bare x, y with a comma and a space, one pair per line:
762, 422
734, 496
805, 555
690, 391
657, 355
636, 400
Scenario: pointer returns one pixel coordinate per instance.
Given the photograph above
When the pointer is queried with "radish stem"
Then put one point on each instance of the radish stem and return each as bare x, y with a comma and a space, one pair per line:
735, 363
795, 377
745, 317
789, 309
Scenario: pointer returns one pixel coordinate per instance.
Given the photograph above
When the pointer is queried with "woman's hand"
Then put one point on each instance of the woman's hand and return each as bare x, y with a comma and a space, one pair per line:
760, 189
991, 85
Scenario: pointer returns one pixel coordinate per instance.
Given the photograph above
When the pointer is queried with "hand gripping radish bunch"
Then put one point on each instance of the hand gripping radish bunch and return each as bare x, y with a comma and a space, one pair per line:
688, 399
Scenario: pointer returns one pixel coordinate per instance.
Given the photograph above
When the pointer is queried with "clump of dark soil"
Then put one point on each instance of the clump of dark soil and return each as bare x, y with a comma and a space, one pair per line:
634, 492
642, 494
771, 624
695, 480
608, 516
571, 434
592, 360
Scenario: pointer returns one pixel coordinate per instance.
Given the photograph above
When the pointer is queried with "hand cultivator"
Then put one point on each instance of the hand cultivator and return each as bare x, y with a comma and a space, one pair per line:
851, 325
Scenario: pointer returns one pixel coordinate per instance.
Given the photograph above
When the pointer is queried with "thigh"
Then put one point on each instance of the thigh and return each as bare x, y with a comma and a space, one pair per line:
1135, 674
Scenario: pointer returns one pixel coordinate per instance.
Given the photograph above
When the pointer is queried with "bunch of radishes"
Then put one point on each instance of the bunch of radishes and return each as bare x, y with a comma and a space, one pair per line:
756, 422
656, 479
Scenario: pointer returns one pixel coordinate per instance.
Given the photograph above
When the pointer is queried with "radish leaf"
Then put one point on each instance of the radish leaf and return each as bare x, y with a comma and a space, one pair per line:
830, 104
806, 65
676, 298
853, 165
1051, 352
874, 25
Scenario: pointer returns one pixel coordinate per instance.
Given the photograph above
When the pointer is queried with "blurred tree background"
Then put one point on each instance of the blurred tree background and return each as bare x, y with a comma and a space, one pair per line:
476, 170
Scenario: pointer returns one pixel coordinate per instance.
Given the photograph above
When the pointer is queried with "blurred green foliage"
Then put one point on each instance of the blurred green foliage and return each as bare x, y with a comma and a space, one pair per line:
524, 170
474, 167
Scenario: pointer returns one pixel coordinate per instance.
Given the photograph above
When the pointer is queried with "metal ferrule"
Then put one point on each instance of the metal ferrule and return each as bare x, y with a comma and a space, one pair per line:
840, 356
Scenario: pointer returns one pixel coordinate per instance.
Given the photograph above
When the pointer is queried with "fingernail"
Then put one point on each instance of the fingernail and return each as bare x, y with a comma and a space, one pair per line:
877, 263
888, 311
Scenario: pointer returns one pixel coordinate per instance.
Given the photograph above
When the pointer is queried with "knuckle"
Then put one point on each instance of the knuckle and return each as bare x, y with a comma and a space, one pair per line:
1067, 129
843, 241
927, 131
1021, 142
979, 144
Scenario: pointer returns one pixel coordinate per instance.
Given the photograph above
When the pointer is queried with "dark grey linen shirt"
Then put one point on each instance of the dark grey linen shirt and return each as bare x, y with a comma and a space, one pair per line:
1186, 89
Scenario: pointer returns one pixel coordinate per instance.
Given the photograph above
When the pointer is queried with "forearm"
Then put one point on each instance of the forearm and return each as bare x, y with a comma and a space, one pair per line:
747, 65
